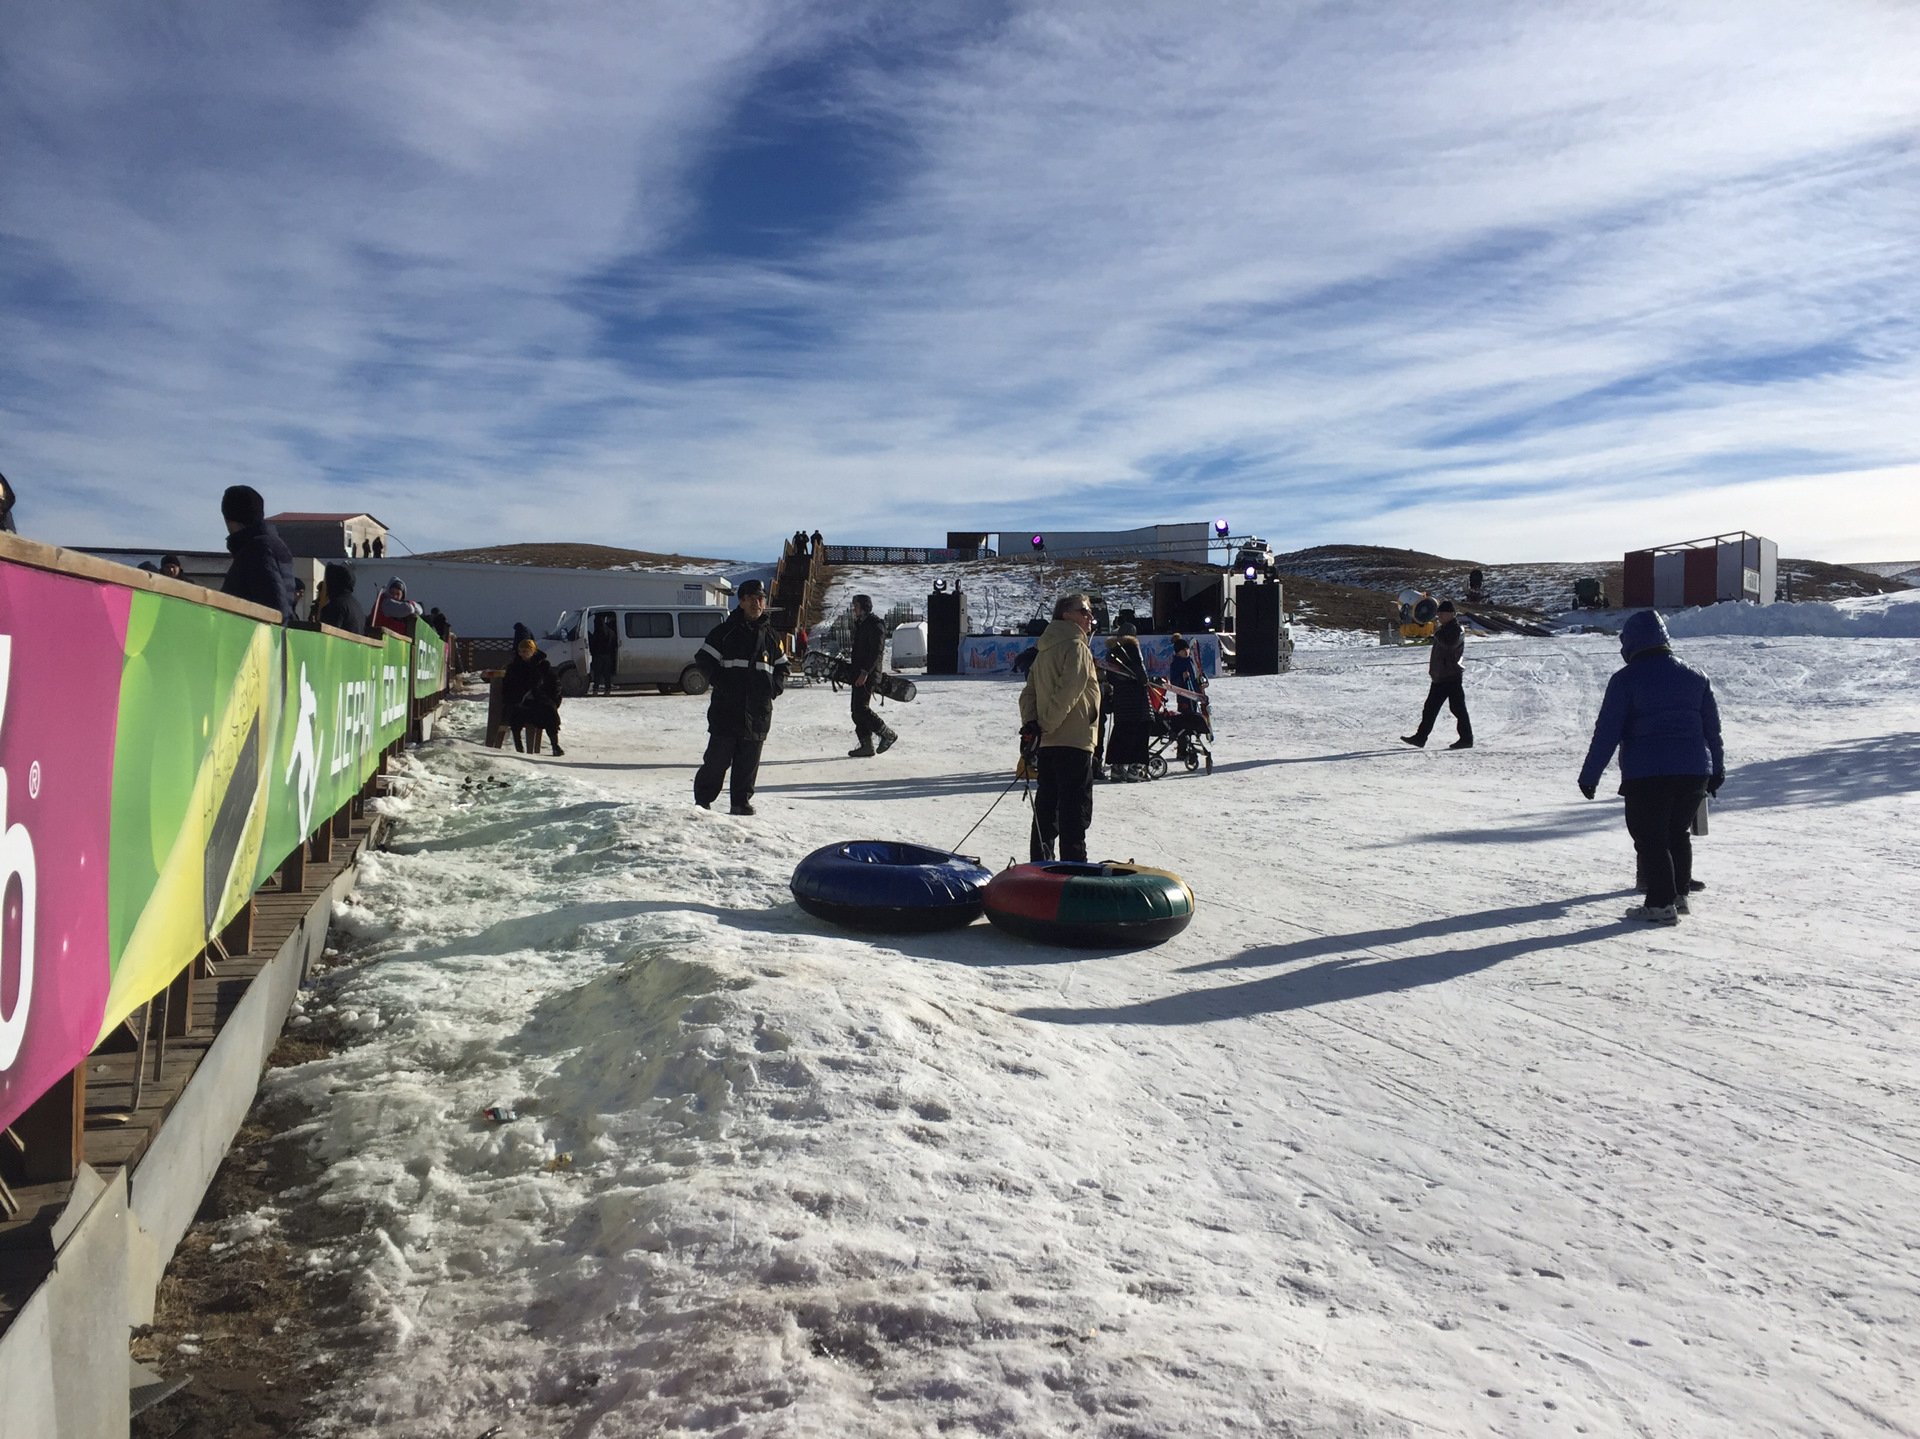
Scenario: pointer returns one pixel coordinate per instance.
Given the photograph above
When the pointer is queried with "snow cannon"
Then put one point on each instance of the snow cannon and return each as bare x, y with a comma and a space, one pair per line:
1418, 611
1090, 906
878, 884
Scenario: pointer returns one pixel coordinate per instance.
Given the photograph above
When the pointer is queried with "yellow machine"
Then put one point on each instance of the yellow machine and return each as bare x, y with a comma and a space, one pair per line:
1418, 614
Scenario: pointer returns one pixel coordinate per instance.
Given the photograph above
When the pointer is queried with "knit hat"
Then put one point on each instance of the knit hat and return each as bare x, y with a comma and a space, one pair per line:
521, 632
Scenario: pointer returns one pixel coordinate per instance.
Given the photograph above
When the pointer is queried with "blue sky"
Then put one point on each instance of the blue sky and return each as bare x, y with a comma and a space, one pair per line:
1499, 280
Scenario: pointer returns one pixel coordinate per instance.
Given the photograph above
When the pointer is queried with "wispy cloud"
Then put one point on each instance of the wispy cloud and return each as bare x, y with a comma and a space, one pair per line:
1488, 279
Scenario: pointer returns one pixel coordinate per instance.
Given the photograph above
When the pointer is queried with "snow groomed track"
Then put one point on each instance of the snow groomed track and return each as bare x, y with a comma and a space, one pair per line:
1407, 1133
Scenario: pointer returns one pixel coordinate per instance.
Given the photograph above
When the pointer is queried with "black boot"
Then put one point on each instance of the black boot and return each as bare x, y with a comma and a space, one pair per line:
887, 738
1418, 741
554, 735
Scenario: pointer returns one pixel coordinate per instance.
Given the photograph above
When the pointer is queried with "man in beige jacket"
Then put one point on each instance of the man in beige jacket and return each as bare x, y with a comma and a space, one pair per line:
1062, 700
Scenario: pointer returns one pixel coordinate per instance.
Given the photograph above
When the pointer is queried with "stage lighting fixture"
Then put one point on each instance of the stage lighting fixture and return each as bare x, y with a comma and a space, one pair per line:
1253, 573
1220, 528
940, 587
1039, 542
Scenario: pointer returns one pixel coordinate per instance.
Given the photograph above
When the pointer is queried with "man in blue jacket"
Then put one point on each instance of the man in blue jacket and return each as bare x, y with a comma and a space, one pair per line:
1661, 716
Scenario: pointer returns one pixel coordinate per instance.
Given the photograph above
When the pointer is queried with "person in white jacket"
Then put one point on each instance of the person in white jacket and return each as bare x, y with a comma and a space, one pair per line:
1060, 717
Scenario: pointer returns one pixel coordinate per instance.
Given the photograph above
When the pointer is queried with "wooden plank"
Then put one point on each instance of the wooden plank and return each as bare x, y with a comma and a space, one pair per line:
53, 1129
237, 937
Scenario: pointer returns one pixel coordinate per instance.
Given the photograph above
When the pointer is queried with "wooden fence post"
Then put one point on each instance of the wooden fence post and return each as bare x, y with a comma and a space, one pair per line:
237, 937
293, 871
53, 1129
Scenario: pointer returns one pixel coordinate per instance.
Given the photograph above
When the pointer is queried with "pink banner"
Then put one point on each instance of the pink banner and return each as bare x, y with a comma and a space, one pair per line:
62, 643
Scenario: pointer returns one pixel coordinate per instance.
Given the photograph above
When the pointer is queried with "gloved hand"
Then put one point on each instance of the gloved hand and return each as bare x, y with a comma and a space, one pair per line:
1589, 790
1713, 785
1030, 737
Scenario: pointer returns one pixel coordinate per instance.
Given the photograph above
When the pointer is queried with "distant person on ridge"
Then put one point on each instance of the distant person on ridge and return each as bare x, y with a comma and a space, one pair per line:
603, 649
1445, 683
869, 652
744, 663
262, 566
340, 608
1661, 716
1059, 710
530, 691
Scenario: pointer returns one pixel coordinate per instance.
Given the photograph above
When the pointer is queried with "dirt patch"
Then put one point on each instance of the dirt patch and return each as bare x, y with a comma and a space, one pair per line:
258, 1333
571, 556
1804, 580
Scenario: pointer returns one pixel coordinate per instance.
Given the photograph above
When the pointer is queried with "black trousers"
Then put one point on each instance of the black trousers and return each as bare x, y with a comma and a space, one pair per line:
865, 722
738, 752
1660, 811
1062, 804
601, 674
1450, 693
536, 716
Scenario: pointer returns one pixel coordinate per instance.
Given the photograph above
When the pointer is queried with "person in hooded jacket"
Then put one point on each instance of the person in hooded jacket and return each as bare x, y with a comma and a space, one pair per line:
341, 608
1661, 716
1132, 710
262, 566
1059, 713
530, 690
744, 662
1445, 683
869, 652
603, 651
394, 611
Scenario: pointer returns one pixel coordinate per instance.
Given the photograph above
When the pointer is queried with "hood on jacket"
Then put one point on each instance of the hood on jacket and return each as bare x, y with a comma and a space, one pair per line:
396, 583
339, 580
1057, 633
521, 632
1644, 630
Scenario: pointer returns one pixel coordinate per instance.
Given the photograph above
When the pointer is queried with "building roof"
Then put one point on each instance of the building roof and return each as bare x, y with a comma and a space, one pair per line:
302, 517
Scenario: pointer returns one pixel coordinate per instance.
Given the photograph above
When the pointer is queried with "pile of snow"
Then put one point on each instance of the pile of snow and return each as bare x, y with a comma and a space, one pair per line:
1893, 616
1407, 1134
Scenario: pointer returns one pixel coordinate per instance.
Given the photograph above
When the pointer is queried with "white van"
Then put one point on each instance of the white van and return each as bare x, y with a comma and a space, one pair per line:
657, 646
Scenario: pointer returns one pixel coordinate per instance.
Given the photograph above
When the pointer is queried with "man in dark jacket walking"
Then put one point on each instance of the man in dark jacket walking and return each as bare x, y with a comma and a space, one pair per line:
341, 609
869, 652
1444, 686
744, 663
1661, 716
262, 565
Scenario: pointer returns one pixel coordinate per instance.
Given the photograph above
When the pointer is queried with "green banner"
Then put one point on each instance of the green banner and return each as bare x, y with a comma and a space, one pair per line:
429, 662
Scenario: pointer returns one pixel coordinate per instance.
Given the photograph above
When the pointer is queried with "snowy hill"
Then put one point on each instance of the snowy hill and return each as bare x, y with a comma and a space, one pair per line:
1406, 1135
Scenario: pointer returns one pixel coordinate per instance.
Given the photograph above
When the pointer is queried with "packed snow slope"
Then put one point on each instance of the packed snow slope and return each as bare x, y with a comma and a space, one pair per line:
1407, 1134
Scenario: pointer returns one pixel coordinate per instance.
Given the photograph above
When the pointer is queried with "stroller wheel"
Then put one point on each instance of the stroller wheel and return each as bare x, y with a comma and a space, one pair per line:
1156, 766
1190, 759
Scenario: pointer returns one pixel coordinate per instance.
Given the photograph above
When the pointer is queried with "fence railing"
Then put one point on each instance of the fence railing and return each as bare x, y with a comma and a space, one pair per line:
163, 750
899, 555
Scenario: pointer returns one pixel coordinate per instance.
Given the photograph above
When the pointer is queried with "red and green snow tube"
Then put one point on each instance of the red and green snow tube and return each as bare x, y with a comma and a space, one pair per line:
1090, 906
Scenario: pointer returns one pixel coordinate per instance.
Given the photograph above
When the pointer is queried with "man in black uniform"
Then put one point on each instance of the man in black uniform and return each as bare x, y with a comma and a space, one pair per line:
869, 650
1444, 675
744, 663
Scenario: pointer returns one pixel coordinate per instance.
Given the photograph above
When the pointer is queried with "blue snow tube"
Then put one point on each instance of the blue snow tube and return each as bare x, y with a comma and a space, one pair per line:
878, 884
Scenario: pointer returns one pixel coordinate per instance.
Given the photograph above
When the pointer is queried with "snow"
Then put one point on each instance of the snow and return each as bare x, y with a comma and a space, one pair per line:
1889, 616
1407, 1134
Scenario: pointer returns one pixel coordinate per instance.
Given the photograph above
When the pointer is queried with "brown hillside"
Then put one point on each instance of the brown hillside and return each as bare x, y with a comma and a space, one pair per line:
576, 556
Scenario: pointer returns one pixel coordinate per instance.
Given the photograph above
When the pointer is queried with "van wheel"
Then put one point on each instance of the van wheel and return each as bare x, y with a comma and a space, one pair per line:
664, 689
571, 685
692, 681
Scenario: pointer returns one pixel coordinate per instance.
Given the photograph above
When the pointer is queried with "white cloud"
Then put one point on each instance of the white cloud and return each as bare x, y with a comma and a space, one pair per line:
1657, 255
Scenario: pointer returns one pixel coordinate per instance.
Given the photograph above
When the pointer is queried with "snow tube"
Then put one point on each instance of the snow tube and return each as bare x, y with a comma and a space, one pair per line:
877, 884
1089, 905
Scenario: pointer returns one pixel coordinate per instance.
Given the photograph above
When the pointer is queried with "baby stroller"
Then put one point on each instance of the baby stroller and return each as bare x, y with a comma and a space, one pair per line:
1184, 730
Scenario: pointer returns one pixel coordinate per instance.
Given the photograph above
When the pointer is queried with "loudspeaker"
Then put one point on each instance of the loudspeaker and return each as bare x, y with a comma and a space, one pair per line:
946, 623
1256, 629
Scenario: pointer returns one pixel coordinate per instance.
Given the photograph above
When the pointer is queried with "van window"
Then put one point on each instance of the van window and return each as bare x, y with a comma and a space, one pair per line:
649, 625
698, 624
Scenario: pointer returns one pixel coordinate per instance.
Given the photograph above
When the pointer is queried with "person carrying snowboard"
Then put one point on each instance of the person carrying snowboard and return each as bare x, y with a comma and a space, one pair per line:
869, 653
743, 661
1445, 683
1661, 716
